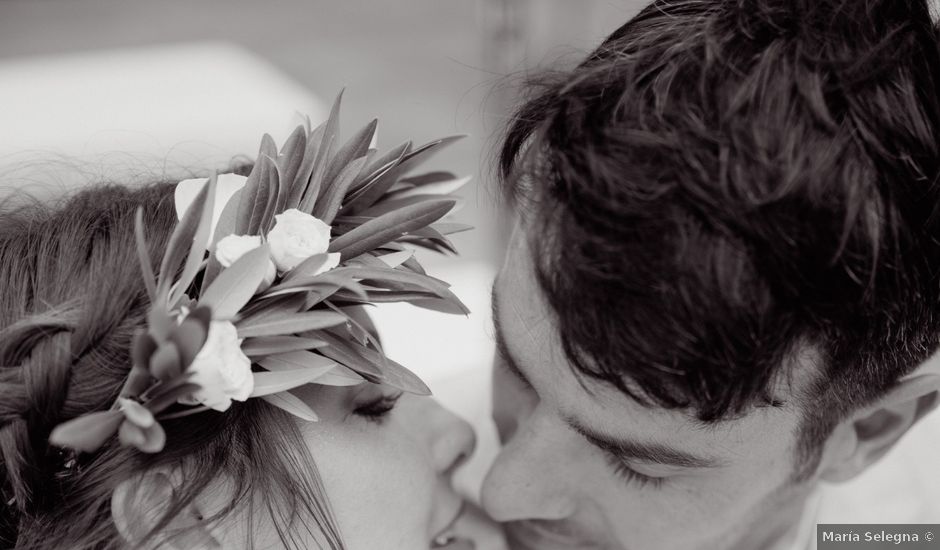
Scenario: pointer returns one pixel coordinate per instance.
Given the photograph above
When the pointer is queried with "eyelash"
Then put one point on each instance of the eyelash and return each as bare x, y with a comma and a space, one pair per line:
630, 475
622, 470
377, 410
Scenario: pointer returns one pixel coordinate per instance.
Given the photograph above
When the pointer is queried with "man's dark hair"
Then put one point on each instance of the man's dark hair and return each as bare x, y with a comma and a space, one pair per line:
724, 182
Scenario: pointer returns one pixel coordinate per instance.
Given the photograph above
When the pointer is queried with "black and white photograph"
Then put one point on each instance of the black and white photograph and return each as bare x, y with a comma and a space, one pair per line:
469, 275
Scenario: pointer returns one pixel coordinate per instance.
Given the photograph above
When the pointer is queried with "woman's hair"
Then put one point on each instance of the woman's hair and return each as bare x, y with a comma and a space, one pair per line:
71, 299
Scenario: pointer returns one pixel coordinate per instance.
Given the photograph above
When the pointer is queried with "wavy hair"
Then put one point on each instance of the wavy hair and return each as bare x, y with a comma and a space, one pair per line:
71, 299
721, 182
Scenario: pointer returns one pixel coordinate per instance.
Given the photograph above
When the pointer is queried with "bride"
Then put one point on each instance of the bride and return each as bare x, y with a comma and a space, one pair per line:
149, 337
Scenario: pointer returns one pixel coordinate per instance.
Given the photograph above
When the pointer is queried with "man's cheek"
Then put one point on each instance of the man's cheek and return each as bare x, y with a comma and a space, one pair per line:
510, 404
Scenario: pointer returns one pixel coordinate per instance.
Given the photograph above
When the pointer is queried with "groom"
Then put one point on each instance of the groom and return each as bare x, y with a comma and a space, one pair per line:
724, 277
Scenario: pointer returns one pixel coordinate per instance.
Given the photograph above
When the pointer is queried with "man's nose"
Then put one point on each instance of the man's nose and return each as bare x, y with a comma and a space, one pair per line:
527, 480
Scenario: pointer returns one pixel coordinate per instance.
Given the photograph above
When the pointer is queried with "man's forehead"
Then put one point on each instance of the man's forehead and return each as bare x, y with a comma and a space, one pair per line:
527, 324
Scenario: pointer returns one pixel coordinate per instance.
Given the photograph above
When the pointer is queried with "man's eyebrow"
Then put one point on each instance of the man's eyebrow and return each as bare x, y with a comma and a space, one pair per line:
623, 449
508, 361
653, 453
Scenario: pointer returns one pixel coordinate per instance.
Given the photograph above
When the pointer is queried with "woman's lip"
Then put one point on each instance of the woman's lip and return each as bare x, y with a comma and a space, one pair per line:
459, 544
450, 524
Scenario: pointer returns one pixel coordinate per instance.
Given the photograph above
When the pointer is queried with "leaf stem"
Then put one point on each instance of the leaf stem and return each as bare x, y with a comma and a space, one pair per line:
181, 414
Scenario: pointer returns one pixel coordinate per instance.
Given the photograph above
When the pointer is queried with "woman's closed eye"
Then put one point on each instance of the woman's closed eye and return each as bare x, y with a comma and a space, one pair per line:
378, 408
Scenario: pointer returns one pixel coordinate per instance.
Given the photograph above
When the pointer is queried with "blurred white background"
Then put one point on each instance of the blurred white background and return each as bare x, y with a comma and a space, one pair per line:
137, 90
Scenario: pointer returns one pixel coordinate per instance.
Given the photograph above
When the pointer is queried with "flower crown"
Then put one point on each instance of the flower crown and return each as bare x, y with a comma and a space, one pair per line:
312, 229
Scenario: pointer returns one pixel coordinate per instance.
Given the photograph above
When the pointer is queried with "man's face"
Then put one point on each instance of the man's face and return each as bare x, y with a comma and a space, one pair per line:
584, 466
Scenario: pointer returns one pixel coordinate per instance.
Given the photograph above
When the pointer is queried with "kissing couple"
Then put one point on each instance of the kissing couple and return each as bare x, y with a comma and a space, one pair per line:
719, 302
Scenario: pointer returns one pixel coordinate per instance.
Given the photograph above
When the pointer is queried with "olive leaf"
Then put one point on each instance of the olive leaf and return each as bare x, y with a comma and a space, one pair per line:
373, 276
290, 160
453, 307
289, 402
266, 188
450, 228
320, 285
249, 195
429, 186
427, 178
257, 188
87, 433
306, 268
232, 289
385, 296
169, 394
340, 376
379, 177
270, 382
389, 255
381, 166
388, 227
408, 162
290, 324
225, 226
392, 204
302, 178
182, 239
200, 242
277, 190
342, 352
324, 152
166, 363
191, 334
299, 359
430, 238
357, 147
269, 345
269, 309
370, 363
329, 203
395, 375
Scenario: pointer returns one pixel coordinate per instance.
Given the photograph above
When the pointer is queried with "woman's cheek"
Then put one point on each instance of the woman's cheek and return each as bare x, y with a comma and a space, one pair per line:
378, 482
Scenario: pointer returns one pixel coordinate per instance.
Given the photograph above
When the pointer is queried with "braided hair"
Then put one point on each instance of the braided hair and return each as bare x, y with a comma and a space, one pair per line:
71, 299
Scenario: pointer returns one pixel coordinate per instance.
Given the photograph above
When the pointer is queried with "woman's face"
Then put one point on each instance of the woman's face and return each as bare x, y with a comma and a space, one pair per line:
386, 460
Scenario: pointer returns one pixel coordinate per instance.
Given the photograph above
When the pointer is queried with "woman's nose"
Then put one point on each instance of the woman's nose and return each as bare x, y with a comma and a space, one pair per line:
448, 439
452, 438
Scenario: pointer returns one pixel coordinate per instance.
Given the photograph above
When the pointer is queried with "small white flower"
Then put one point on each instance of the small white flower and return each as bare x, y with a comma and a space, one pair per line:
232, 247
221, 369
332, 260
229, 249
295, 237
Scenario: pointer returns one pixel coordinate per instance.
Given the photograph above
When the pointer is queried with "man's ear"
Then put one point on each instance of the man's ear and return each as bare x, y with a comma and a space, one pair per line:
140, 503
866, 436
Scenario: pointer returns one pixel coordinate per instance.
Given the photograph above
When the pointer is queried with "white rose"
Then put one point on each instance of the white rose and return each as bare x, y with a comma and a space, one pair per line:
229, 249
295, 237
221, 369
